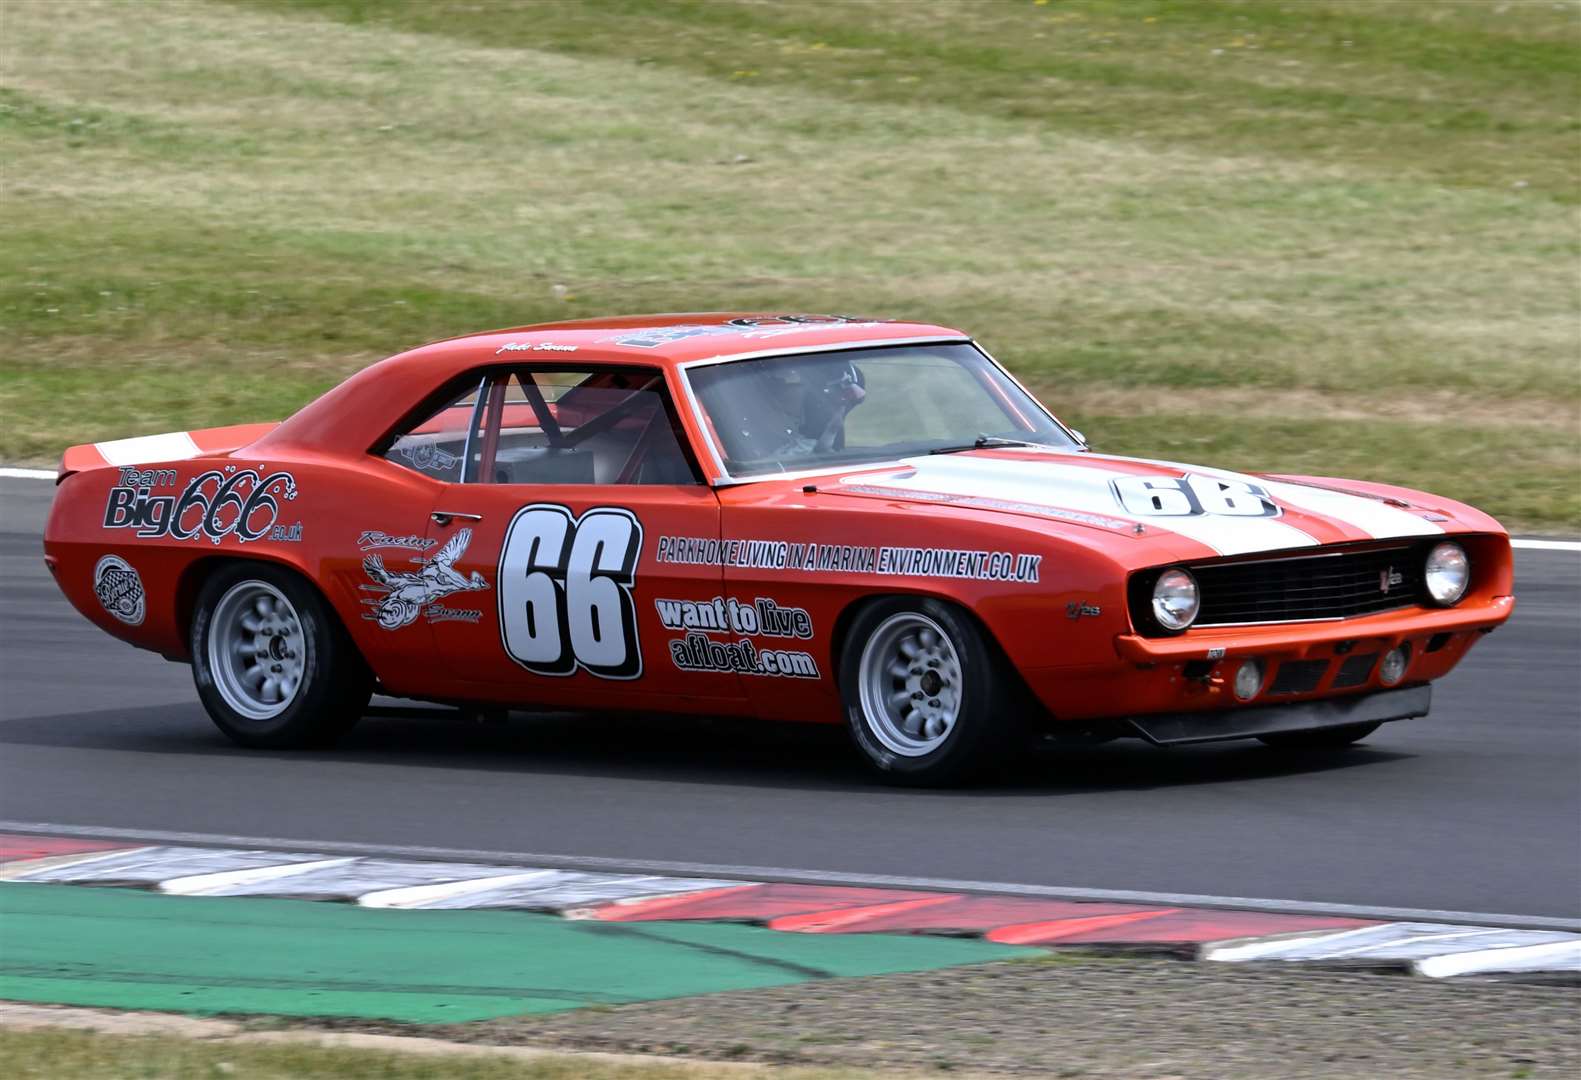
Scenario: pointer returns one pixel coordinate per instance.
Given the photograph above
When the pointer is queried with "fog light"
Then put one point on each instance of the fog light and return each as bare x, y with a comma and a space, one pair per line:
1248, 679
1395, 661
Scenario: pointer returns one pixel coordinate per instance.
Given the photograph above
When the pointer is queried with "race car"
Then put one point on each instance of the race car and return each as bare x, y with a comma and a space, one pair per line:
806, 518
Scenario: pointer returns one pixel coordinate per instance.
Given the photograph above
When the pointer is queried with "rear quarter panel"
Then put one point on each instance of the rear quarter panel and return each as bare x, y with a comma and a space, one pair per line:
164, 520
174, 522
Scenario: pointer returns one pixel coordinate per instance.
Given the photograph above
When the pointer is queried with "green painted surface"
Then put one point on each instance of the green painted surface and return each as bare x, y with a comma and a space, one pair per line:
122, 948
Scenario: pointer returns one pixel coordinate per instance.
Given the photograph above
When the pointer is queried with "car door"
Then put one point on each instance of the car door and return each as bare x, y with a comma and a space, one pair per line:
546, 585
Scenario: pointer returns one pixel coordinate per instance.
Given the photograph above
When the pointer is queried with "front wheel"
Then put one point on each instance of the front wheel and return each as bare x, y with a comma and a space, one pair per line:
927, 697
1323, 739
273, 666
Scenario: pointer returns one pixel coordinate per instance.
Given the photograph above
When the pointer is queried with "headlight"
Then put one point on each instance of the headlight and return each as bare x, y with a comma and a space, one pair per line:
1447, 573
1175, 600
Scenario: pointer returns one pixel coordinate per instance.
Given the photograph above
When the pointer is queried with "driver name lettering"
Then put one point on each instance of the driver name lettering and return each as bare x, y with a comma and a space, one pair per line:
534, 346
850, 559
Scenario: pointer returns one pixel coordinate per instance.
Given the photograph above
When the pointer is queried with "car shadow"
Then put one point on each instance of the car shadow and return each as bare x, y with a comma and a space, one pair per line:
683, 749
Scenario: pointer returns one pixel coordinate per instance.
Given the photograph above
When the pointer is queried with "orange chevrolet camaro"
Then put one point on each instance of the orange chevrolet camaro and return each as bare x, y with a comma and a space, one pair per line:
790, 517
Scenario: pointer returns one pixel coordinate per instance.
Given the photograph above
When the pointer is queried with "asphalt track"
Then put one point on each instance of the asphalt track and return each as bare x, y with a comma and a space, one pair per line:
1475, 808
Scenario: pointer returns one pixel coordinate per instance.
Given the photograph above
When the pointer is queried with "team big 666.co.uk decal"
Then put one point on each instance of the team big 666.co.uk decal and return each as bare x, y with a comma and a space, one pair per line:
565, 591
243, 503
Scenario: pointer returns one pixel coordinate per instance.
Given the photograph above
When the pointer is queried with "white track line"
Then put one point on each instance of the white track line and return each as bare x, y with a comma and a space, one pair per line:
529, 860
1547, 545
417, 896
1562, 956
27, 474
16, 867
204, 884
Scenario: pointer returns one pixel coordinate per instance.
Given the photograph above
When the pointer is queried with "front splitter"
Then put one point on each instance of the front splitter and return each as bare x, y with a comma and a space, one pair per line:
1182, 729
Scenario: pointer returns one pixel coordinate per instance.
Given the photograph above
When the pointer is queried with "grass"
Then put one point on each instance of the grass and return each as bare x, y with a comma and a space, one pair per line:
1333, 237
66, 1055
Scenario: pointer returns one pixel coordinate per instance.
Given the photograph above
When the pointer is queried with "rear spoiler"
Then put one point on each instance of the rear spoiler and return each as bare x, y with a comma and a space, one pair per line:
155, 449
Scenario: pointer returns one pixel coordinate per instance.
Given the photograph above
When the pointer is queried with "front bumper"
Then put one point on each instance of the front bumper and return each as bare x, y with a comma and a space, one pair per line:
1297, 640
1181, 729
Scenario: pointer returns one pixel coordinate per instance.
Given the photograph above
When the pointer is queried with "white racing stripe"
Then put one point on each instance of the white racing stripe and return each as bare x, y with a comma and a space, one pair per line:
172, 446
1372, 516
1377, 519
1087, 489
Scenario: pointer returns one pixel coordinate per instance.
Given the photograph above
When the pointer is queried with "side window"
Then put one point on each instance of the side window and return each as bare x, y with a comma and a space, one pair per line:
541, 426
585, 426
437, 445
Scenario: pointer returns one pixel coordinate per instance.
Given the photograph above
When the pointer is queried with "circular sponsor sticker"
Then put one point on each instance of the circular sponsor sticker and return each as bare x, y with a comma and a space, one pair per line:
119, 589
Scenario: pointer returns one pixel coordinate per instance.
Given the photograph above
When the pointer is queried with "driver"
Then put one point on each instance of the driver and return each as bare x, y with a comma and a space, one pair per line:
807, 401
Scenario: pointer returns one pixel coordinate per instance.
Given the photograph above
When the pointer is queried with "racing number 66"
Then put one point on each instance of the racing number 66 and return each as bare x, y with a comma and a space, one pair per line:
565, 591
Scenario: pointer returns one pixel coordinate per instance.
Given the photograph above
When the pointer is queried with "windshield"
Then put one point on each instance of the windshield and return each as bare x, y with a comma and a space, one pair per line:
791, 413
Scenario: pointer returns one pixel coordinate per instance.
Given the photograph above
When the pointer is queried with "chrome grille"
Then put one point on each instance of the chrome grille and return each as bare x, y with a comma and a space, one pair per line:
1335, 585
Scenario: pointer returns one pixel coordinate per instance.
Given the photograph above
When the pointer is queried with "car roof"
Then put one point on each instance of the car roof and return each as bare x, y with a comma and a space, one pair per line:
353, 414
686, 336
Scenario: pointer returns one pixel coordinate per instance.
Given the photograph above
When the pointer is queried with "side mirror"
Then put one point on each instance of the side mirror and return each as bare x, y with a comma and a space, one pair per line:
1079, 438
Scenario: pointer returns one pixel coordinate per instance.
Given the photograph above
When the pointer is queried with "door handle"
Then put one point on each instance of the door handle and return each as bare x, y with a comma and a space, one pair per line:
445, 517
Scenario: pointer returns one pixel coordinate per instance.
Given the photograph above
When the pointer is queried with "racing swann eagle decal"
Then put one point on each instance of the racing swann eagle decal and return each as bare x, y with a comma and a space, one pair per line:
408, 592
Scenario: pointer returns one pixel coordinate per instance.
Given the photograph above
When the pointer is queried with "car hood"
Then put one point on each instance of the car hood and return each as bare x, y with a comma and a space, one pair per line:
1226, 513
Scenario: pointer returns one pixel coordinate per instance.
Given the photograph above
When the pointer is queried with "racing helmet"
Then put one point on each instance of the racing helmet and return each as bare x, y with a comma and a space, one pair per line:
832, 387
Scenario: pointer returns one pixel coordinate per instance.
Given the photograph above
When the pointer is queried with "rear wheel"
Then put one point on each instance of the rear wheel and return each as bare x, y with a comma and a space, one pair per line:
273, 666
1323, 739
928, 699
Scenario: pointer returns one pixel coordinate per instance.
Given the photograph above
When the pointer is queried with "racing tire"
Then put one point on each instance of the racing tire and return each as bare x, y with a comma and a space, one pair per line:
929, 700
273, 665
1334, 738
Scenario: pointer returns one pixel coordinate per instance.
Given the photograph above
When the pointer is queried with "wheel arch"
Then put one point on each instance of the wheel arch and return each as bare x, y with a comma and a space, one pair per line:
193, 577
849, 613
